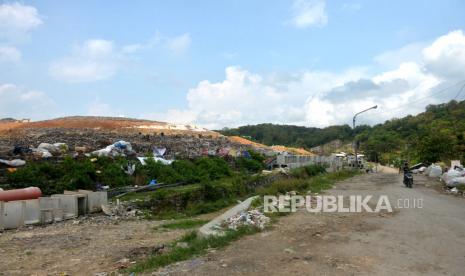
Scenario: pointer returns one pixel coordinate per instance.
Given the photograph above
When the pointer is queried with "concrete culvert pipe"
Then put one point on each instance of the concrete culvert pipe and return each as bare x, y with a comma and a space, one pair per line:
20, 194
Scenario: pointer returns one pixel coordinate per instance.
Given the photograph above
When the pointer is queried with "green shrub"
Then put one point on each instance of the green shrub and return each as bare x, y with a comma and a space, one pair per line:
308, 171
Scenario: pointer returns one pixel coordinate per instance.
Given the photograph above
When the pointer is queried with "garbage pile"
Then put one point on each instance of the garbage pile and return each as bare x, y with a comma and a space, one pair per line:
433, 171
454, 177
247, 218
120, 210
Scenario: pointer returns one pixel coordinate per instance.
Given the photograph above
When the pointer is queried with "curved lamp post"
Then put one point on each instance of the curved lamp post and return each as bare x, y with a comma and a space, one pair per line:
355, 141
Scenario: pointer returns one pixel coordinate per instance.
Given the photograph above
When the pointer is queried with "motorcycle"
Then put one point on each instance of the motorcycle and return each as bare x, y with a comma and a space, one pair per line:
408, 179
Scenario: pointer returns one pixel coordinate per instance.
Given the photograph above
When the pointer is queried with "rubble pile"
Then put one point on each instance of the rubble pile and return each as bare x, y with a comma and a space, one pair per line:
247, 218
120, 210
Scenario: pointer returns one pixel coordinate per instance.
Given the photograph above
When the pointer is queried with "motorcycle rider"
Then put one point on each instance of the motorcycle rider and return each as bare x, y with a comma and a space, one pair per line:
407, 174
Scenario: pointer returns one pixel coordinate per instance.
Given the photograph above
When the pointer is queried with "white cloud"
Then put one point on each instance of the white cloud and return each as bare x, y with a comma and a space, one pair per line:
16, 20
308, 13
322, 98
19, 102
446, 56
100, 59
94, 60
179, 44
9, 54
409, 53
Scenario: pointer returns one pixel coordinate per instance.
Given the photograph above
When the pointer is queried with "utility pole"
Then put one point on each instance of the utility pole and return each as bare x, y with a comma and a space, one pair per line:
355, 141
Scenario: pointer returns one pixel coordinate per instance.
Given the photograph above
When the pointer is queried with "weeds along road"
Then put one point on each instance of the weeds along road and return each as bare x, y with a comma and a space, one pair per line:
426, 241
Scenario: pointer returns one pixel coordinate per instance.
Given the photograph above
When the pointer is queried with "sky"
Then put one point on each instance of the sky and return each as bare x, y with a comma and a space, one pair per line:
230, 63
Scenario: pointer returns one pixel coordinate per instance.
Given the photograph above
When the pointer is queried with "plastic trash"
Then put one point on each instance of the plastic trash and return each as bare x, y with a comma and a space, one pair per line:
56, 148
120, 148
13, 163
129, 169
157, 159
435, 171
159, 152
153, 182
41, 153
450, 178
21, 150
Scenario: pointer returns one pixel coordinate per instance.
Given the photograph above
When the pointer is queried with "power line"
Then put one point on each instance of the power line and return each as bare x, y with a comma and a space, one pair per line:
426, 97
460, 92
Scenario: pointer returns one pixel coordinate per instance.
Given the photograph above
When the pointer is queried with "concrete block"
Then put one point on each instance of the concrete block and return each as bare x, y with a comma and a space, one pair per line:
13, 214
82, 200
209, 228
69, 205
32, 212
50, 209
95, 200
1, 215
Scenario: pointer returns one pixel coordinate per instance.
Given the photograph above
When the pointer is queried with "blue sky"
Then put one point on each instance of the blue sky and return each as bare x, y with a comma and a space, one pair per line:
229, 63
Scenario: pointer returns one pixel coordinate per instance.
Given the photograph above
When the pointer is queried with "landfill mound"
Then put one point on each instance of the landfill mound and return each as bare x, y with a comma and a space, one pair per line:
108, 123
94, 133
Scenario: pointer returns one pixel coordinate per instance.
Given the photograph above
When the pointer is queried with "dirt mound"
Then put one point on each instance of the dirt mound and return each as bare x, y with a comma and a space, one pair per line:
243, 141
276, 148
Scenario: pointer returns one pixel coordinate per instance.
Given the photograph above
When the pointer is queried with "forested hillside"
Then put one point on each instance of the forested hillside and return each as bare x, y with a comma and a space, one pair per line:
288, 135
434, 135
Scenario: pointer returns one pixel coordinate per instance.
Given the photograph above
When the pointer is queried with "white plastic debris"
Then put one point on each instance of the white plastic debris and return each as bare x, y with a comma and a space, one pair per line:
41, 153
247, 218
56, 148
13, 163
157, 159
120, 148
435, 171
453, 178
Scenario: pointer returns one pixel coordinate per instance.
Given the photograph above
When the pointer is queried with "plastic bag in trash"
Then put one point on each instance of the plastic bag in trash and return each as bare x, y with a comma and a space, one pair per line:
435, 171
14, 162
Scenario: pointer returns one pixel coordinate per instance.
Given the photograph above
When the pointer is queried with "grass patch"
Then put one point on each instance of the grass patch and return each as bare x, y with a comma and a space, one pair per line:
183, 224
195, 246
315, 184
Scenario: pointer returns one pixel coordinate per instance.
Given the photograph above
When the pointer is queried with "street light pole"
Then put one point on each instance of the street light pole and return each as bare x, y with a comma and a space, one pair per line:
355, 141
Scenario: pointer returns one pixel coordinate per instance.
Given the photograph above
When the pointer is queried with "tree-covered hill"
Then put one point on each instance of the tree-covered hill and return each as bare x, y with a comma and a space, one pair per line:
434, 135
288, 135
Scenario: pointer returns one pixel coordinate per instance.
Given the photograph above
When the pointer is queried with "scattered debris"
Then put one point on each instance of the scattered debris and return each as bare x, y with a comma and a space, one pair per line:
247, 218
120, 210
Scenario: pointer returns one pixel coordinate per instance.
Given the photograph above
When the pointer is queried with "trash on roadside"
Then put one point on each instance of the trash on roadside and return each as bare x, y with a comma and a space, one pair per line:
434, 171
120, 210
453, 177
13, 163
247, 218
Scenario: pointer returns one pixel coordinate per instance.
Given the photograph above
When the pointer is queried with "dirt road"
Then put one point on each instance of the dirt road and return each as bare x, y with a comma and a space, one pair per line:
414, 241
